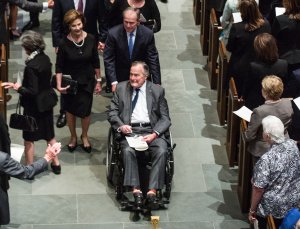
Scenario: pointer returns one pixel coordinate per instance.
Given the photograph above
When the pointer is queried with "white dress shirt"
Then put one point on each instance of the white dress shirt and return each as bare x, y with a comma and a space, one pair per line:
140, 113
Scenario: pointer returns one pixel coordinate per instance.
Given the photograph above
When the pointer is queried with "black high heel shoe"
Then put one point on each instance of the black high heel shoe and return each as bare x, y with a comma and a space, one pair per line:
87, 149
71, 148
56, 169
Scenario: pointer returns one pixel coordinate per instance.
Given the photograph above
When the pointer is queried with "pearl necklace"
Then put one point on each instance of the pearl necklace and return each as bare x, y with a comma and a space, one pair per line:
78, 45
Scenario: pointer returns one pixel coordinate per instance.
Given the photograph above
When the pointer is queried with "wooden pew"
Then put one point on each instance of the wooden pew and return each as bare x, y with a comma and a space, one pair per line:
270, 222
204, 28
222, 75
3, 78
233, 123
245, 171
197, 11
214, 33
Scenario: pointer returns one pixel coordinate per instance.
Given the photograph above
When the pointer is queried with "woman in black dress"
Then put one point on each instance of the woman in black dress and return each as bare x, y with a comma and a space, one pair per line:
37, 75
77, 56
266, 63
240, 41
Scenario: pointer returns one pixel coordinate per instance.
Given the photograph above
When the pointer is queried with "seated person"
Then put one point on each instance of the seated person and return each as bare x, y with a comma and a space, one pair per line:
139, 107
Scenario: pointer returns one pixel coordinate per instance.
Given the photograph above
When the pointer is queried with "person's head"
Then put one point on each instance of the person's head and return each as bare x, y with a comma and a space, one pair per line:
272, 87
266, 48
292, 8
139, 73
74, 20
273, 129
131, 19
32, 41
250, 14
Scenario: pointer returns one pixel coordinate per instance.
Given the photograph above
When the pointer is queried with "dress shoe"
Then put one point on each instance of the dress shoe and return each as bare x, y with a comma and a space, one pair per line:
30, 25
87, 149
71, 148
138, 200
14, 34
151, 202
108, 89
61, 121
56, 169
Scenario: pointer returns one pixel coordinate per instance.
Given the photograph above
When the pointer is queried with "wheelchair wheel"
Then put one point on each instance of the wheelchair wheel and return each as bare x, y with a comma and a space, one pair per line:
109, 157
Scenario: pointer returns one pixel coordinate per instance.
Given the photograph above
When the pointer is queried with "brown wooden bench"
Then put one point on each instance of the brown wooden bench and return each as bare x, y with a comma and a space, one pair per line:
215, 30
270, 222
233, 123
221, 84
3, 78
245, 171
204, 28
197, 11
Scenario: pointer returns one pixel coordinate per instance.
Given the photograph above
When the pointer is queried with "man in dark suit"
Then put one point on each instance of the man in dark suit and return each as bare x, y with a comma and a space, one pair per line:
139, 107
127, 43
24, 4
34, 20
93, 11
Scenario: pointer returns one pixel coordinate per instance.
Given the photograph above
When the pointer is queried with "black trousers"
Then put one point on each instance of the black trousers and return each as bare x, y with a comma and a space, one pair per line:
34, 16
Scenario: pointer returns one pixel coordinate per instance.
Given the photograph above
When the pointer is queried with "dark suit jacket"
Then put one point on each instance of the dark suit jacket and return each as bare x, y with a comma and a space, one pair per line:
93, 13
24, 4
116, 54
252, 84
120, 109
287, 33
240, 44
254, 134
13, 168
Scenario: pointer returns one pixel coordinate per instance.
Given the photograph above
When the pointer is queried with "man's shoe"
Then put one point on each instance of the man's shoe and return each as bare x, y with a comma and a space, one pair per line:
138, 200
61, 121
151, 202
30, 25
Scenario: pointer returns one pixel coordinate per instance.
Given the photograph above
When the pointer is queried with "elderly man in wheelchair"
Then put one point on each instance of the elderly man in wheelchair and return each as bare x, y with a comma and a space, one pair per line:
139, 108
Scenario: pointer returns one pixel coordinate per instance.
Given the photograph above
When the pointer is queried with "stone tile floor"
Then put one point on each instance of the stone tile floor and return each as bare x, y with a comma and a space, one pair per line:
204, 187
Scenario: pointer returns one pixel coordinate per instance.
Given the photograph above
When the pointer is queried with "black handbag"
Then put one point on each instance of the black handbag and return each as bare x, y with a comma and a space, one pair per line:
66, 80
46, 100
22, 122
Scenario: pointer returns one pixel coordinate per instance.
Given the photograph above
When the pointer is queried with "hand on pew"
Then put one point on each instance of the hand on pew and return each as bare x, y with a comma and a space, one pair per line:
8, 85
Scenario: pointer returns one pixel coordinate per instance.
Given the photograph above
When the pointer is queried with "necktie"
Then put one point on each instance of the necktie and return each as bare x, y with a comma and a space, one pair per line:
80, 6
135, 99
130, 44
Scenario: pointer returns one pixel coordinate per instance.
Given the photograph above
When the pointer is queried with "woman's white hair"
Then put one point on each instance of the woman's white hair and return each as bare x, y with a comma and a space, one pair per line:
273, 127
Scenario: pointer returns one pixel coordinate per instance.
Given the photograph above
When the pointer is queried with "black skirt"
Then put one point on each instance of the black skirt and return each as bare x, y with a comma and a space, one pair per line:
80, 104
45, 125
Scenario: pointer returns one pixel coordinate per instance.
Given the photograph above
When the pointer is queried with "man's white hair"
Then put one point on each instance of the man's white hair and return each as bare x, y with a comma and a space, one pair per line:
274, 128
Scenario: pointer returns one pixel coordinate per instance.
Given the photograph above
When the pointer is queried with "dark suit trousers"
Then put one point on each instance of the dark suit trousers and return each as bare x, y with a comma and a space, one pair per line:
34, 17
158, 152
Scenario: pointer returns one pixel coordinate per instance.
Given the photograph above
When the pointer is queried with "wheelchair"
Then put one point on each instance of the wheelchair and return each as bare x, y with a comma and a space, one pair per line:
115, 175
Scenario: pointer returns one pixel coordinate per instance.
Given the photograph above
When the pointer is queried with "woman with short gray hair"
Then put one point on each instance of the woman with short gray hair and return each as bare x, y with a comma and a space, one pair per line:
276, 176
32, 41
36, 82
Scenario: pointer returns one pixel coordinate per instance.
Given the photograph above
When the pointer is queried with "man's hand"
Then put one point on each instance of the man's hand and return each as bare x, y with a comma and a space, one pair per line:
52, 151
50, 4
113, 87
150, 137
101, 46
98, 88
126, 129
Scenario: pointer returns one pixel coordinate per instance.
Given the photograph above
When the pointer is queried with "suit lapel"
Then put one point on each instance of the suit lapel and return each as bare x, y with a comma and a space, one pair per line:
128, 102
149, 97
72, 4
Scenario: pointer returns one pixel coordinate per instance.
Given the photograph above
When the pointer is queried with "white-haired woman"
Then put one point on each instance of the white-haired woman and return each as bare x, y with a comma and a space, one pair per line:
37, 74
276, 176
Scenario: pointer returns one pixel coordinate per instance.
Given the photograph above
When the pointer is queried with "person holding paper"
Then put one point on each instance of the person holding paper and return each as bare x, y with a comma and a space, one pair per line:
276, 176
241, 38
139, 107
272, 88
